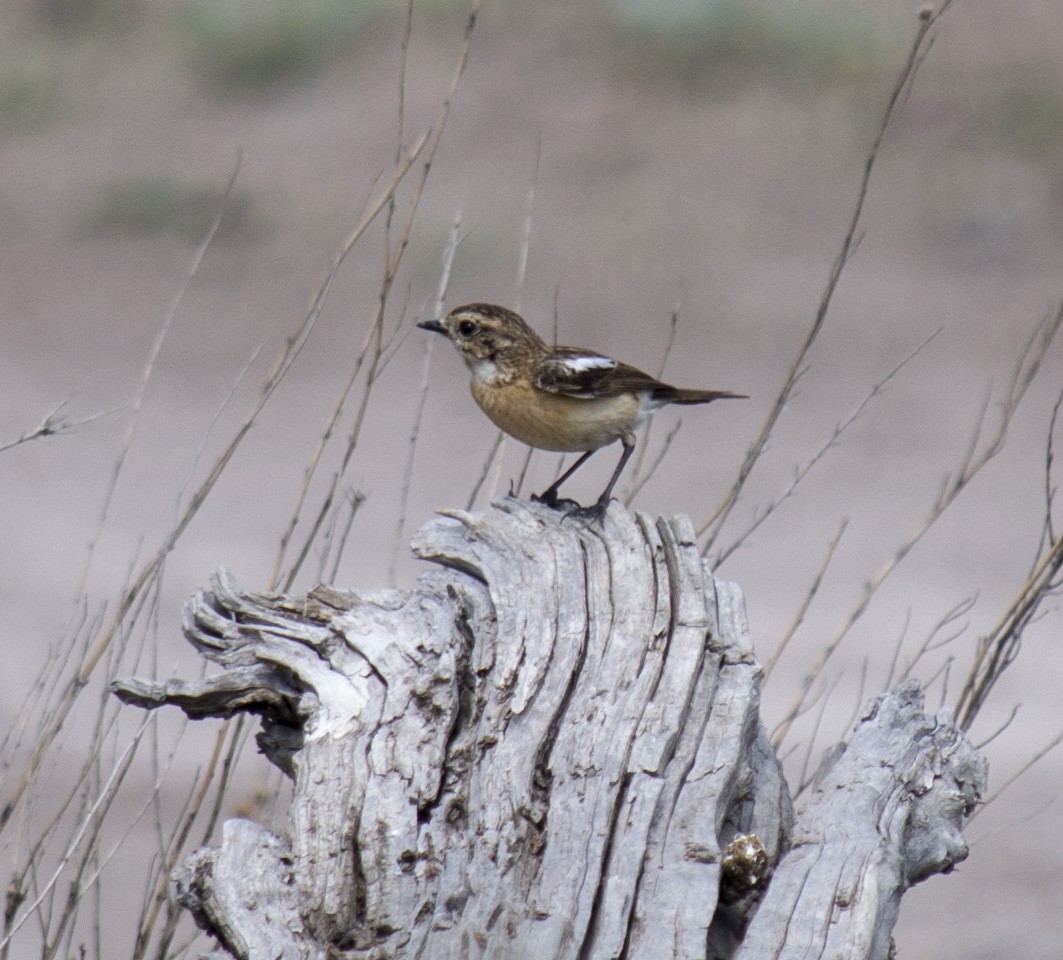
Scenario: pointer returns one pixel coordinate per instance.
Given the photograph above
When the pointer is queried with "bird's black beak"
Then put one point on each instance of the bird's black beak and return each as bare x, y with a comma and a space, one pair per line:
434, 325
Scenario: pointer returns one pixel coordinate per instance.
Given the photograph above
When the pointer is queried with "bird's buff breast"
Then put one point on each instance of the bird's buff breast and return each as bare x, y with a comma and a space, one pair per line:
552, 421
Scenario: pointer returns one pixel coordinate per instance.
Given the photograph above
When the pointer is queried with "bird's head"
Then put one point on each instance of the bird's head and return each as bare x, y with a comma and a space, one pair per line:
485, 333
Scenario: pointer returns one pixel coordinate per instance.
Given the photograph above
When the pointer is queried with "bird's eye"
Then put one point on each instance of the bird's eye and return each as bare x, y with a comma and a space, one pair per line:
466, 328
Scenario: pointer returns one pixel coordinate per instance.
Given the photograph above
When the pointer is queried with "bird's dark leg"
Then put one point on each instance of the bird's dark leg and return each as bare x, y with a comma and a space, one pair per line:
629, 448
596, 511
549, 496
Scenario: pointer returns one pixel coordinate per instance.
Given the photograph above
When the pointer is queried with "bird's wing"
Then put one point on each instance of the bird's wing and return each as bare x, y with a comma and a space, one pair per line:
574, 373
580, 373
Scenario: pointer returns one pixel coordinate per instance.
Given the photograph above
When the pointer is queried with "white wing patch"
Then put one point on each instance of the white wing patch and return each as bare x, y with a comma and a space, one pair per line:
573, 373
581, 364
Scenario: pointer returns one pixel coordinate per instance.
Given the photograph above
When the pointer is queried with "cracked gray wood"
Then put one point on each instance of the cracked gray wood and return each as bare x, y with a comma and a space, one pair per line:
542, 751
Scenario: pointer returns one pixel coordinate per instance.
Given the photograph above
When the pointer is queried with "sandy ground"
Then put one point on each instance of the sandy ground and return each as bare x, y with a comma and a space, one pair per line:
730, 188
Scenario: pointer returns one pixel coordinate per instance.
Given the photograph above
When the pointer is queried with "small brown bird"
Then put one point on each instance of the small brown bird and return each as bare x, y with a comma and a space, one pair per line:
556, 398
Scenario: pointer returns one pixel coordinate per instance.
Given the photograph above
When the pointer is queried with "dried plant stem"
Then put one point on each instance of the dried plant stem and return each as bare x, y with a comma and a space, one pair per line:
492, 453
997, 649
85, 823
422, 394
180, 835
433, 138
979, 452
53, 424
146, 374
1036, 758
810, 595
635, 483
800, 473
714, 522
642, 481
310, 317
529, 452
1049, 531
178, 842
932, 642
355, 499
529, 217
499, 445
144, 578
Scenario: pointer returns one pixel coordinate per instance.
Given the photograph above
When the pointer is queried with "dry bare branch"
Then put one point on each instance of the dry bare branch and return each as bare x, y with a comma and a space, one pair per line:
1036, 758
980, 451
310, 318
760, 515
54, 423
149, 571
376, 328
642, 481
644, 440
422, 395
488, 462
806, 602
86, 824
710, 527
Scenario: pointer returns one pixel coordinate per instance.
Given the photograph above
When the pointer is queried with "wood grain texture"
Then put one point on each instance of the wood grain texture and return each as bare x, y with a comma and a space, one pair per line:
543, 751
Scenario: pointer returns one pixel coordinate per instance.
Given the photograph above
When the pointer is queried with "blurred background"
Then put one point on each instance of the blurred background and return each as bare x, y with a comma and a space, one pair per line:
670, 151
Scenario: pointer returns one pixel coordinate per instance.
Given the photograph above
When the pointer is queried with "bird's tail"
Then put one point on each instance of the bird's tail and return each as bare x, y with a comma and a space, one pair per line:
679, 395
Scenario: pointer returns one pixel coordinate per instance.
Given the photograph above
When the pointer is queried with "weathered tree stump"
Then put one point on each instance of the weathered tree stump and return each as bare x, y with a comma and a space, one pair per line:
550, 748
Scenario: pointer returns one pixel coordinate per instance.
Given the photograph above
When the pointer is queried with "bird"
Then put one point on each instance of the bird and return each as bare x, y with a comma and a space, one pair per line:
557, 398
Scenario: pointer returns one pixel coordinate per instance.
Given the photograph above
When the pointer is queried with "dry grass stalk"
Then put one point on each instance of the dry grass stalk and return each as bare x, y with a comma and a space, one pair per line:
393, 261
711, 526
980, 451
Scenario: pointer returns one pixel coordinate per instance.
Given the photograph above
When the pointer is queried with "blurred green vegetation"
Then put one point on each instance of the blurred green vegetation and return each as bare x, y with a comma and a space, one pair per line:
73, 16
162, 204
247, 45
1028, 116
29, 94
693, 39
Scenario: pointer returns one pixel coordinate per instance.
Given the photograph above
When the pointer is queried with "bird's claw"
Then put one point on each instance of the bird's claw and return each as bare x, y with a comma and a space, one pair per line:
595, 513
550, 499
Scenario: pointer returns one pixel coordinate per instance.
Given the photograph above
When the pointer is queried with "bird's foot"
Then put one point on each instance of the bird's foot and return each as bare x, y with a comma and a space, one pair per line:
550, 499
595, 513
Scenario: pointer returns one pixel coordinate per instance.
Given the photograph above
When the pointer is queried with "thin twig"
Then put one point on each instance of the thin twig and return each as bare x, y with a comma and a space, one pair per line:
997, 649
932, 642
53, 424
492, 453
85, 824
376, 328
1036, 758
810, 594
644, 440
800, 473
422, 395
149, 369
802, 781
522, 273
354, 499
981, 745
173, 908
1048, 529
714, 522
529, 452
980, 452
310, 317
858, 701
529, 216
642, 481
179, 838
